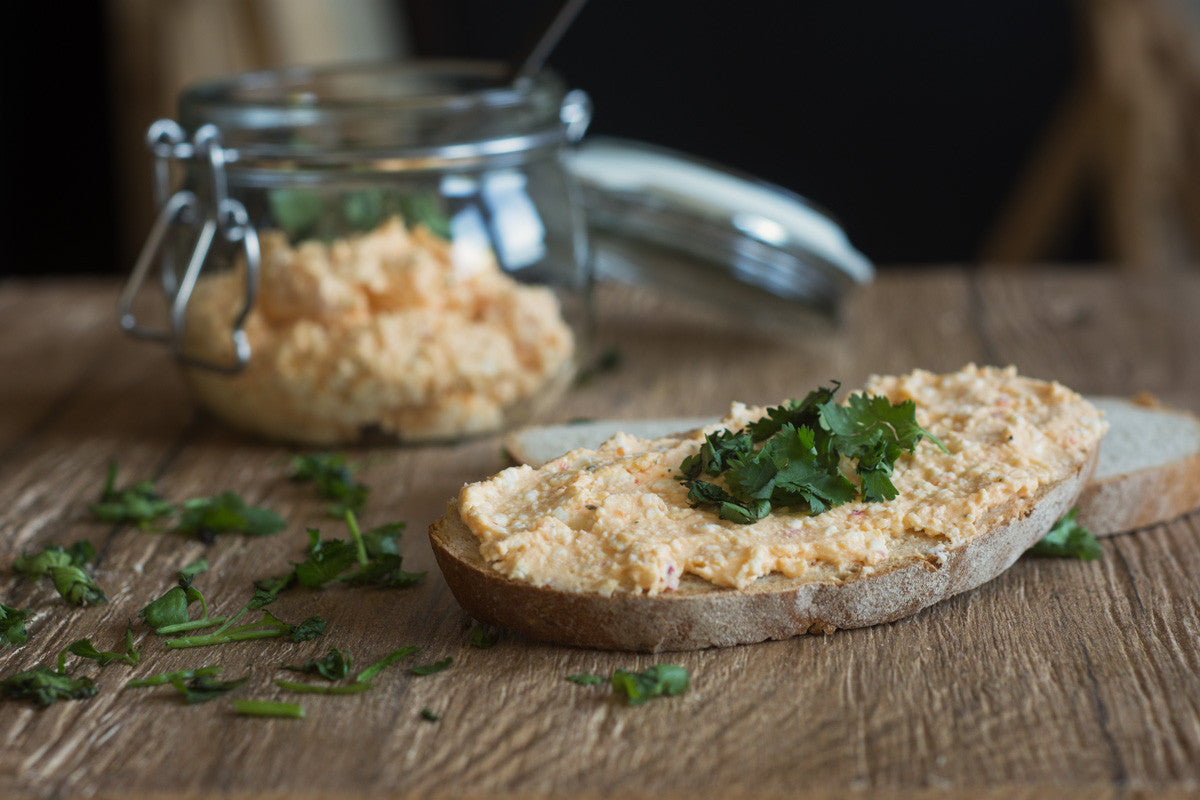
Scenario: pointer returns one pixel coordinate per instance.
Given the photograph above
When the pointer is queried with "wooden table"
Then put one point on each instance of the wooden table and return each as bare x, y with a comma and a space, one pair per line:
1059, 677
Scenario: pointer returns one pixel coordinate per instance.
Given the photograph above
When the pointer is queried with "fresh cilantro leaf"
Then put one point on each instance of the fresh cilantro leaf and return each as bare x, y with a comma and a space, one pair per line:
170, 609
327, 558
657, 681
1068, 539
804, 449
227, 512
85, 649
333, 667
202, 688
139, 504
482, 636
35, 566
430, 669
77, 587
192, 570
43, 686
585, 679
12, 625
384, 571
266, 590
429, 715
310, 628
334, 480
383, 539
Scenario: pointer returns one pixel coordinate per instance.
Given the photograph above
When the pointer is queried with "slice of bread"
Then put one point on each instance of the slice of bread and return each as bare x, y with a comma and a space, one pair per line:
1148, 472
1149, 467
919, 567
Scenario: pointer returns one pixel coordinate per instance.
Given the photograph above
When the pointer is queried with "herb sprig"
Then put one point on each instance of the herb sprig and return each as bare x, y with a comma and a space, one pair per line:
1067, 539
799, 456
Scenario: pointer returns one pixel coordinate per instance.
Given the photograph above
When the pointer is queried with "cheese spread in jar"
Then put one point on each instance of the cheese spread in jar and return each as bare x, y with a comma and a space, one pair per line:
617, 519
395, 330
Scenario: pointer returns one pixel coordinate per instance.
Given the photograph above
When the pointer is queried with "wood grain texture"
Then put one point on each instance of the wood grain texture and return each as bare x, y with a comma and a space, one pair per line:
1059, 677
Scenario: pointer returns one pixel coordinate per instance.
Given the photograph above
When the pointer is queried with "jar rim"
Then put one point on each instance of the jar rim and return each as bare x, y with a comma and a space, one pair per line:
372, 85
415, 109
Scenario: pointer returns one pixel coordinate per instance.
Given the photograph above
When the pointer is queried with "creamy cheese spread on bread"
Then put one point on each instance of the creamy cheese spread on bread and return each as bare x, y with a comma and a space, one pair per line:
617, 519
393, 330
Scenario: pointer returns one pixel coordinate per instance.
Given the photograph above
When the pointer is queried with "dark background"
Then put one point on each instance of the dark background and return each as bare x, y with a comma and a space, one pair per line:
908, 121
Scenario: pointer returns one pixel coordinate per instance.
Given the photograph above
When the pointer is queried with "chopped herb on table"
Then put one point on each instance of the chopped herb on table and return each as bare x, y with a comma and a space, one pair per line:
85, 649
1067, 539
12, 625
40, 563
334, 480
795, 456
266, 708
660, 680
362, 681
333, 667
171, 677
482, 636
202, 688
429, 715
268, 627
430, 669
139, 504
227, 512
43, 687
77, 587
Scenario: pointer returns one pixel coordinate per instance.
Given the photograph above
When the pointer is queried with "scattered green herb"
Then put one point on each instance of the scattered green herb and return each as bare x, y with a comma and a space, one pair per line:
12, 625
40, 563
227, 512
430, 669
323, 688
368, 674
192, 570
334, 479
139, 504
657, 681
265, 708
85, 649
43, 687
429, 715
326, 560
1068, 539
172, 677
482, 636
77, 587
333, 667
268, 627
584, 679
202, 688
795, 457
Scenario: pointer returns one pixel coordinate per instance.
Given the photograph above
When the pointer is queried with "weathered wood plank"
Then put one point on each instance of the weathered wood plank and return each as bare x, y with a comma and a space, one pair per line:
1056, 677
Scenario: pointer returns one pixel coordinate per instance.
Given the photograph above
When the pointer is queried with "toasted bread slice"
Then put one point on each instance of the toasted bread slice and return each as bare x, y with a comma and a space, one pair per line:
1148, 472
527, 550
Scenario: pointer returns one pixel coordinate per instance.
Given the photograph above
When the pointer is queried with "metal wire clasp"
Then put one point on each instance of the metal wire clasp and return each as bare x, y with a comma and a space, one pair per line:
183, 209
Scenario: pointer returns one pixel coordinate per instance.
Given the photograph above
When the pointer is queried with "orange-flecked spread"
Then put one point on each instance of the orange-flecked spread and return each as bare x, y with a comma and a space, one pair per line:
617, 519
393, 330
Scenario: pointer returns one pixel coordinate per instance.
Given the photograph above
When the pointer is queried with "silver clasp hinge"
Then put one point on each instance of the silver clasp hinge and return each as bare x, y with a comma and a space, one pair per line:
224, 216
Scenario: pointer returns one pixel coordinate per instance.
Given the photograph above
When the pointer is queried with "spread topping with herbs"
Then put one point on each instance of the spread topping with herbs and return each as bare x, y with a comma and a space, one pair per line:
809, 486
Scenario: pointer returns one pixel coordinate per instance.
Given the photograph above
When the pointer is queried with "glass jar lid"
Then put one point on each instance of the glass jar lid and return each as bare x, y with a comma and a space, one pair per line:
708, 234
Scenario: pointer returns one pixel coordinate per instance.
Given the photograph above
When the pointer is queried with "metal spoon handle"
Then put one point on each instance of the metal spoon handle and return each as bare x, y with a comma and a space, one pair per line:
558, 16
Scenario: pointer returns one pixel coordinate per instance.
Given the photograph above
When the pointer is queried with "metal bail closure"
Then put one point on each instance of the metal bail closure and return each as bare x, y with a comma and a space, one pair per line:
224, 216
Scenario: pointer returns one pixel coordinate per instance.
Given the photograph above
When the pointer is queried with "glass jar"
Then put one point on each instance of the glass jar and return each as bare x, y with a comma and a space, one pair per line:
355, 251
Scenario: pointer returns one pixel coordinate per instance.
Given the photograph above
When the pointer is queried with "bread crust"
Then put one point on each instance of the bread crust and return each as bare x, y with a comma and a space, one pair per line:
699, 614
